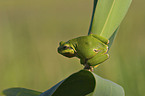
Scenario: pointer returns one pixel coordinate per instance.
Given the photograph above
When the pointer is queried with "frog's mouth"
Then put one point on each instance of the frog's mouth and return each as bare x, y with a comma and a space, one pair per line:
65, 49
68, 55
69, 52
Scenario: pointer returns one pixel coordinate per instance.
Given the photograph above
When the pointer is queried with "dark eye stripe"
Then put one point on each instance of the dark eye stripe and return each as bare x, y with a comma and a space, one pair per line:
65, 47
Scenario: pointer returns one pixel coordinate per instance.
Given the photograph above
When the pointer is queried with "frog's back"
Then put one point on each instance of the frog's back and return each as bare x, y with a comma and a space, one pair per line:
87, 41
86, 45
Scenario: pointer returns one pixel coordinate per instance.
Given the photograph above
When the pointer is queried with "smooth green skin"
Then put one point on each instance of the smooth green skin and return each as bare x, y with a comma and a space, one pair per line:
91, 49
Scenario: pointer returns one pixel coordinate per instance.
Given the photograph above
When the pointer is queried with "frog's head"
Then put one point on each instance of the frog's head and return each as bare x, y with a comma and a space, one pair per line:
66, 49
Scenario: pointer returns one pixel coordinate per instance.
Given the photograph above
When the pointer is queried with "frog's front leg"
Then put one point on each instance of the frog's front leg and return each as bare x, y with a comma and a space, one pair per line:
97, 59
86, 66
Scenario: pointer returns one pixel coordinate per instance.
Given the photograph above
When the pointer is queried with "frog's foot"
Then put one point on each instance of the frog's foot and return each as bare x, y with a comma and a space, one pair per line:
88, 67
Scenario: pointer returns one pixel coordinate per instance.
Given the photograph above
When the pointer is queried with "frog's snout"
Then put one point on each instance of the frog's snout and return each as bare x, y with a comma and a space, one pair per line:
58, 49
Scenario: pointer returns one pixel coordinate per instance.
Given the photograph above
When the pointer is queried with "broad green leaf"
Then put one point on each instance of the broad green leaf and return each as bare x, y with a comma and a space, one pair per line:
20, 92
94, 7
51, 90
78, 84
106, 87
108, 16
112, 38
86, 83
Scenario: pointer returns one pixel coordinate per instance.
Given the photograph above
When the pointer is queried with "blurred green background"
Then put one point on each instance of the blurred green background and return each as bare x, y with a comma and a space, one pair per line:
30, 31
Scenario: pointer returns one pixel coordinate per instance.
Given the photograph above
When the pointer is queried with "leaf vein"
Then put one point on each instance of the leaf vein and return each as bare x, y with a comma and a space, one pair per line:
108, 17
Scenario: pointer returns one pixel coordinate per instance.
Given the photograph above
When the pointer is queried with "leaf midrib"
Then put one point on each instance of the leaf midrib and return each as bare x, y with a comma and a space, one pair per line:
107, 18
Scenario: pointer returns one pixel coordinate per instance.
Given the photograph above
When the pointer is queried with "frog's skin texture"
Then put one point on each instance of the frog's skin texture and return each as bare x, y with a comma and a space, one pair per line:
91, 49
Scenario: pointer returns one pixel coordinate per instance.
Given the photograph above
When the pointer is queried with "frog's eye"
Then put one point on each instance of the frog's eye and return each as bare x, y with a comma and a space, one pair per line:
65, 47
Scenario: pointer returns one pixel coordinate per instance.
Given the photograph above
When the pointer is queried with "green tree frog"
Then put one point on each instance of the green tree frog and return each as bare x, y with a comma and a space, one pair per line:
91, 50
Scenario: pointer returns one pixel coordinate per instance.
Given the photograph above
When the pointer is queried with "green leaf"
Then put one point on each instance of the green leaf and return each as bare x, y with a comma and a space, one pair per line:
78, 84
20, 92
94, 7
106, 87
51, 90
86, 83
112, 38
108, 16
